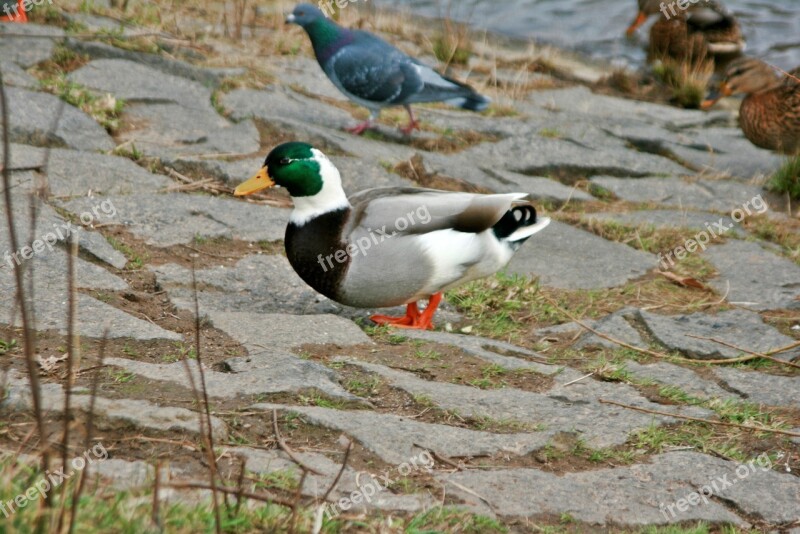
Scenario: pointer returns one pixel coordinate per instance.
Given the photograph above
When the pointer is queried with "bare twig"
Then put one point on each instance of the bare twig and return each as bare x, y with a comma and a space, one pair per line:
76, 496
700, 420
261, 497
73, 362
240, 485
341, 471
752, 355
26, 317
156, 515
577, 379
285, 448
206, 409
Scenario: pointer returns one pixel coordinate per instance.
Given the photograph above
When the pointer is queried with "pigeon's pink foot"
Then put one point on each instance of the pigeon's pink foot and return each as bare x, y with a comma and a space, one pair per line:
360, 128
410, 127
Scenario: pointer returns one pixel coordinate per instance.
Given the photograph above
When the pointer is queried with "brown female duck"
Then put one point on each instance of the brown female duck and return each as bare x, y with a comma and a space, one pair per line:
704, 27
770, 113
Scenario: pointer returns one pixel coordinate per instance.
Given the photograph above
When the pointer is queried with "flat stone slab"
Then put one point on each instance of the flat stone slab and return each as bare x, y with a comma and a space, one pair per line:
614, 325
173, 218
761, 387
77, 173
138, 83
681, 377
112, 413
638, 495
351, 490
286, 332
32, 123
395, 439
174, 67
718, 195
49, 268
572, 408
552, 255
263, 372
690, 220
27, 50
536, 186
15, 76
742, 328
492, 351
754, 277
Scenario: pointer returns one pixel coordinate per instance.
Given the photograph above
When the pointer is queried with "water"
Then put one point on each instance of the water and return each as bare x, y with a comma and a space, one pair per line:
597, 27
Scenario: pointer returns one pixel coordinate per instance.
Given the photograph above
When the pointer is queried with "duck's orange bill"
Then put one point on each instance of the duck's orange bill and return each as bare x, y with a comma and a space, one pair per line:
716, 96
256, 183
640, 19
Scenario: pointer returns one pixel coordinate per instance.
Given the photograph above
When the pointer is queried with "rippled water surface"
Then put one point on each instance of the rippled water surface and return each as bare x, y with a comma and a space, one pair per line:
597, 27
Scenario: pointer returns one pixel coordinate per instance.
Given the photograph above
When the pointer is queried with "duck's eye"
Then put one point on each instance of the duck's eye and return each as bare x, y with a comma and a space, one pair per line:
285, 161
300, 13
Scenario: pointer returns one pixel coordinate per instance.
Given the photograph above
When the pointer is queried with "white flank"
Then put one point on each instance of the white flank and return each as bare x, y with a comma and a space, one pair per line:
330, 198
459, 257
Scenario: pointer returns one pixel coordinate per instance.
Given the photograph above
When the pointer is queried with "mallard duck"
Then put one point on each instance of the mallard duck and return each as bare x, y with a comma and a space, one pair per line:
374, 74
389, 246
770, 113
704, 27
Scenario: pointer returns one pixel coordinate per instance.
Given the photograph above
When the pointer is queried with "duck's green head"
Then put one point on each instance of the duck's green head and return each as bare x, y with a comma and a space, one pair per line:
295, 166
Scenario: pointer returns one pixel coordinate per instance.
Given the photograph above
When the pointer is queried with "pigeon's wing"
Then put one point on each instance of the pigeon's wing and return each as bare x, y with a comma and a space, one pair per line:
373, 71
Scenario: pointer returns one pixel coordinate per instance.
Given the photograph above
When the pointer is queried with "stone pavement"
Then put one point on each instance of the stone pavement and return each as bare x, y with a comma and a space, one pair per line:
261, 304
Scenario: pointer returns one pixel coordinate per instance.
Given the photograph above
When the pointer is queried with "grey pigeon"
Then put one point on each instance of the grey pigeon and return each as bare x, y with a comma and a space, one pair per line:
374, 74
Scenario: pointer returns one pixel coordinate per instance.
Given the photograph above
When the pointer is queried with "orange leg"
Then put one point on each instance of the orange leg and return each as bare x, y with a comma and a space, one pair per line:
411, 316
413, 319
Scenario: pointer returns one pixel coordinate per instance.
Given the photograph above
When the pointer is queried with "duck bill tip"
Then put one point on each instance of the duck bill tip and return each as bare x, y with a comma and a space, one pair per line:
257, 183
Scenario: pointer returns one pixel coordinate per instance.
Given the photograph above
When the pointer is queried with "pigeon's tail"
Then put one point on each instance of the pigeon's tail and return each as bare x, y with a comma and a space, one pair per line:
473, 102
468, 99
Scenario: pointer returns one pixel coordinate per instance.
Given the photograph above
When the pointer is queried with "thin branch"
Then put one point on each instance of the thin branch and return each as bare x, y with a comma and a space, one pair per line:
72, 360
285, 448
752, 355
30, 350
206, 410
700, 420
156, 514
341, 471
261, 497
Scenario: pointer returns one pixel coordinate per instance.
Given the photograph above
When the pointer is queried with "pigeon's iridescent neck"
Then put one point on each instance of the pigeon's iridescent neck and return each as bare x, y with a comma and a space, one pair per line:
326, 38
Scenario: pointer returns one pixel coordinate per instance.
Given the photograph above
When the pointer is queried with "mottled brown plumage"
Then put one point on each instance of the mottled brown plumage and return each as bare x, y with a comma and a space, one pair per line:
770, 113
704, 28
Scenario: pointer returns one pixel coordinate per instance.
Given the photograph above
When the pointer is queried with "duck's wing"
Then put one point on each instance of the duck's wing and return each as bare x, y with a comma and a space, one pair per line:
414, 211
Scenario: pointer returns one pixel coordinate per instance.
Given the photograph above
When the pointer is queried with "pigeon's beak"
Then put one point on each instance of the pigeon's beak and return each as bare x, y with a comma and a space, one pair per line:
640, 19
256, 183
290, 18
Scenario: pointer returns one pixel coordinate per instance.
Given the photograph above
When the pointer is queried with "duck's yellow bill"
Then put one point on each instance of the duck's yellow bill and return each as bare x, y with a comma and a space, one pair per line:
256, 183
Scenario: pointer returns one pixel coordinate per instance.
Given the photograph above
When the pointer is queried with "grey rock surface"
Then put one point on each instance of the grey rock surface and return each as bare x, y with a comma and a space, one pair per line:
741, 328
25, 47
172, 218
761, 388
551, 255
723, 196
637, 495
112, 413
753, 277
566, 409
615, 325
33, 119
396, 439
680, 377
263, 372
